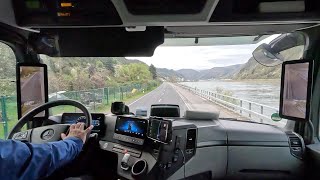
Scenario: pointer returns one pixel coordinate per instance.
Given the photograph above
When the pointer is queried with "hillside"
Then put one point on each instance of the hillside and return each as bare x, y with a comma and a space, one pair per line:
76, 73
189, 74
220, 72
194, 75
253, 70
169, 74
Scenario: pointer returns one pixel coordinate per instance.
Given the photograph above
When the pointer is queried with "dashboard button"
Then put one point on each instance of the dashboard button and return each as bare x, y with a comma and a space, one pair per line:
105, 146
175, 158
169, 165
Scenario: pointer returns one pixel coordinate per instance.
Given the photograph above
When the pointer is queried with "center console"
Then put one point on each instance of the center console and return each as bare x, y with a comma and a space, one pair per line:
147, 148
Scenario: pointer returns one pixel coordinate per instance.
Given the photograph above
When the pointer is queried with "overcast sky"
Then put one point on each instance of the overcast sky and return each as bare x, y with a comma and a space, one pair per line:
201, 57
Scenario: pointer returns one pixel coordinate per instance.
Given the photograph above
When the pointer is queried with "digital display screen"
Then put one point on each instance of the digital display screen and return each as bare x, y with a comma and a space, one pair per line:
97, 121
131, 126
296, 87
33, 88
159, 130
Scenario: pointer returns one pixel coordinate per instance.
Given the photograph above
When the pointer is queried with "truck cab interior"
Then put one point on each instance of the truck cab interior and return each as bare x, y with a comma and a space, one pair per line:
168, 141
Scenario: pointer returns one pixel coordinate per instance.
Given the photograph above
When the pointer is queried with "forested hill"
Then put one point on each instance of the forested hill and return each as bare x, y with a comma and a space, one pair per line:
7, 71
78, 73
253, 70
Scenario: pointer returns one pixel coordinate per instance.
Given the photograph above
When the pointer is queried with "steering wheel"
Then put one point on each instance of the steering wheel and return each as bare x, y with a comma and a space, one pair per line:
46, 133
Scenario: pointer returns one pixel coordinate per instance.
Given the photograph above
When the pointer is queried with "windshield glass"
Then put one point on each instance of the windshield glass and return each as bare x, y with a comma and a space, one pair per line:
217, 78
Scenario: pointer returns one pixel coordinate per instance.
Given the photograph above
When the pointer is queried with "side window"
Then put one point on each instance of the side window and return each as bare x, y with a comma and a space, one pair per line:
8, 101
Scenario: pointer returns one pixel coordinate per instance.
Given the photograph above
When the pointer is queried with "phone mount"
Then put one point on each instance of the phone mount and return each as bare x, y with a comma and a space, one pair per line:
119, 108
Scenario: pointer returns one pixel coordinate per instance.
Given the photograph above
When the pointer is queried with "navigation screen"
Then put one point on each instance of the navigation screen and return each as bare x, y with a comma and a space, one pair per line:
159, 130
131, 126
97, 121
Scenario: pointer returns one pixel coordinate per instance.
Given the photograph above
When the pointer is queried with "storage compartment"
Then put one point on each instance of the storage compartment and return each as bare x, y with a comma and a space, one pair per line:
262, 162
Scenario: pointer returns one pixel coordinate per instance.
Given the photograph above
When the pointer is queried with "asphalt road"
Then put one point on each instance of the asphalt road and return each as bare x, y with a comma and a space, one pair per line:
164, 94
169, 93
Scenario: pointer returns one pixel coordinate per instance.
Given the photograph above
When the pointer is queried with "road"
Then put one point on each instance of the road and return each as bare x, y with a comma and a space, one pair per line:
169, 93
164, 94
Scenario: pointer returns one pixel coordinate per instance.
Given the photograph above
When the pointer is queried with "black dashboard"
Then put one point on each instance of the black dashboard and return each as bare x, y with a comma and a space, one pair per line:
195, 148
98, 123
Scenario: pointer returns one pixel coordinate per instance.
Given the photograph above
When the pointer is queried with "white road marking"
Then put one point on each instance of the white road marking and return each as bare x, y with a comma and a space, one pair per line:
187, 105
160, 100
143, 96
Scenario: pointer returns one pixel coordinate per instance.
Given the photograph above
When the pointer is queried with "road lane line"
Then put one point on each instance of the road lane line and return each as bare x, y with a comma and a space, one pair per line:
182, 98
143, 96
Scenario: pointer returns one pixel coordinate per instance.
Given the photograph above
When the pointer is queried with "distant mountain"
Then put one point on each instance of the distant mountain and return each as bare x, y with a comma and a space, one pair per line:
194, 75
250, 70
189, 74
169, 74
220, 72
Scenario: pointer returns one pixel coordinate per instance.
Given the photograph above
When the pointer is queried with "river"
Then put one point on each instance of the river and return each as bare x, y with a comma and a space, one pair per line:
265, 92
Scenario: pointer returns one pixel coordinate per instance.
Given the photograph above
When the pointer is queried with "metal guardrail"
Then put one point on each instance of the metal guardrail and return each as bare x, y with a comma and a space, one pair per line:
252, 110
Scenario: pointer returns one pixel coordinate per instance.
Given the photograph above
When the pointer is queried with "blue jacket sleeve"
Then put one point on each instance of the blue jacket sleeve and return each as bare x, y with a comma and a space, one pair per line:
34, 161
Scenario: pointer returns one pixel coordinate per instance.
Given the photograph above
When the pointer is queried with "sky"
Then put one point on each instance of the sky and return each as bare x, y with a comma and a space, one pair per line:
201, 57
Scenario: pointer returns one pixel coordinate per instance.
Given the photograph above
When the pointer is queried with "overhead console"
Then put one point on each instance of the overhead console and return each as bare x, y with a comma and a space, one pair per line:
156, 7
41, 13
265, 10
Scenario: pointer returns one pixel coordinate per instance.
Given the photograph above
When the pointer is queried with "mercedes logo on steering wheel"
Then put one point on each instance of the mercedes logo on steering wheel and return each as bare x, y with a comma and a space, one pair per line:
47, 134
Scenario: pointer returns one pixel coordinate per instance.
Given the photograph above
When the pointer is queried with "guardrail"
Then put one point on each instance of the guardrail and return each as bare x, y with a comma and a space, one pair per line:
4, 118
252, 110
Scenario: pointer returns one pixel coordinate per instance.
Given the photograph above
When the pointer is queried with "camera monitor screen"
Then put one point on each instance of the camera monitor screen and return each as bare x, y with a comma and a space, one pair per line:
32, 88
296, 90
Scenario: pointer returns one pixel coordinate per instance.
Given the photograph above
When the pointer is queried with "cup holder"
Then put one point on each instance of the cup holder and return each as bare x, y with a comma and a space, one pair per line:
139, 168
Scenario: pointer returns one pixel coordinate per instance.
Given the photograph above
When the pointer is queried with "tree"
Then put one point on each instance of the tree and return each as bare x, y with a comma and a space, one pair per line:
110, 66
134, 72
153, 71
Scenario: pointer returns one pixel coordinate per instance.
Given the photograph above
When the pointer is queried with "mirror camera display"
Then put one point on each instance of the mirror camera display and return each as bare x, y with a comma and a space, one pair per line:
32, 88
295, 90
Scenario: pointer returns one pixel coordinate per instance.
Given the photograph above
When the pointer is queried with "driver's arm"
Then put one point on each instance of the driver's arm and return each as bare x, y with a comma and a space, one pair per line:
33, 161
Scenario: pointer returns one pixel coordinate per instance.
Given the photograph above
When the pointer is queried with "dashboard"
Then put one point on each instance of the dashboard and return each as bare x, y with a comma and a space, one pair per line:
176, 148
99, 126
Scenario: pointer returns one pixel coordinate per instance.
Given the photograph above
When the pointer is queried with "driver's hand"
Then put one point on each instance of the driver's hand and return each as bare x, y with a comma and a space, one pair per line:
77, 130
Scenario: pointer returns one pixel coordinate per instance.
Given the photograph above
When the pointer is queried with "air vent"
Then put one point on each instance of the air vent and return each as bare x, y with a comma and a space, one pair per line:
295, 142
296, 145
191, 141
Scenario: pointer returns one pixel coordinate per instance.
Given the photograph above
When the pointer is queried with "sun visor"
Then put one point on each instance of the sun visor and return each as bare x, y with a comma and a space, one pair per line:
97, 42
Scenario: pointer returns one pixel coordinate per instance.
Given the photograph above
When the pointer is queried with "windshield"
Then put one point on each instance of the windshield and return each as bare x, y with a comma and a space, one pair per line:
217, 78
